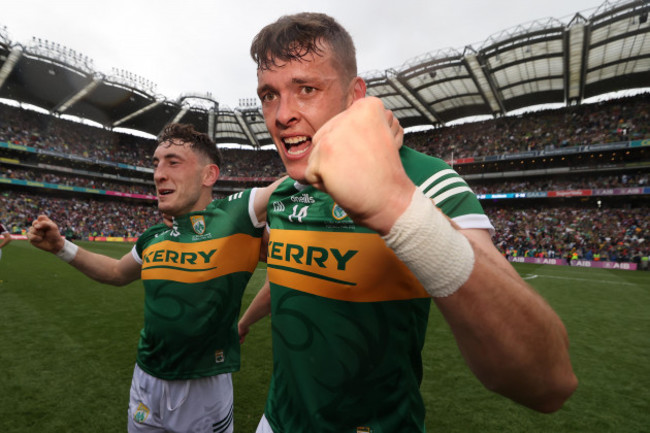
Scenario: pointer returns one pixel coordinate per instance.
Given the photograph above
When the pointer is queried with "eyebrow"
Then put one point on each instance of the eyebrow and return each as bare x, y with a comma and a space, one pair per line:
296, 80
263, 89
167, 156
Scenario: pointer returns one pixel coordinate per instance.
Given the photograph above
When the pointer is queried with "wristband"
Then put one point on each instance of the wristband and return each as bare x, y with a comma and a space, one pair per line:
438, 255
68, 252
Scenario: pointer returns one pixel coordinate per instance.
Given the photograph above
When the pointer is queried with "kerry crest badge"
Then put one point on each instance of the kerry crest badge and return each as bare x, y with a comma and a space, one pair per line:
198, 224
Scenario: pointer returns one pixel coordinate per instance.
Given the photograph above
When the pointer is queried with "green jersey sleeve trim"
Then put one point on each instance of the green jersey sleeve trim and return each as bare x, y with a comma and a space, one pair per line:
251, 210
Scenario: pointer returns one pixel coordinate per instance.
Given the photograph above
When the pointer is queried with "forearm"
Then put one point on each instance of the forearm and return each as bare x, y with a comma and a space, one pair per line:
106, 270
45, 235
510, 337
259, 308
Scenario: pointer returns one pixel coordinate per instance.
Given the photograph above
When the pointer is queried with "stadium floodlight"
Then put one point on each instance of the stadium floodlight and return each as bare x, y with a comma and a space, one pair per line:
4, 35
248, 102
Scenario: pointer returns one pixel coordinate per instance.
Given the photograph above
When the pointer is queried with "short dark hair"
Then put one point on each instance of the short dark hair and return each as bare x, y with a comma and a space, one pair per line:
292, 37
180, 133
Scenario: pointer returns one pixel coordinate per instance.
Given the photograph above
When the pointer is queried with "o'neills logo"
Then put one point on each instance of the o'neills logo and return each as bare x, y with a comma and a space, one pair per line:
278, 206
198, 224
304, 198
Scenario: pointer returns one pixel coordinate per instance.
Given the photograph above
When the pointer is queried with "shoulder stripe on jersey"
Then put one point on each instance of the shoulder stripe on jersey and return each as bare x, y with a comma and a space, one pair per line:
235, 196
447, 194
455, 181
474, 221
136, 256
251, 210
437, 176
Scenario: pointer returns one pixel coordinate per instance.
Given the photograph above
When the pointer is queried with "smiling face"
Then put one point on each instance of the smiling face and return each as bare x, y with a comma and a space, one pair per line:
183, 178
298, 97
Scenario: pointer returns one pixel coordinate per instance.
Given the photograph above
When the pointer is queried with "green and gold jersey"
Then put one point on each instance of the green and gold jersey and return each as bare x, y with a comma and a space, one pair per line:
194, 275
348, 318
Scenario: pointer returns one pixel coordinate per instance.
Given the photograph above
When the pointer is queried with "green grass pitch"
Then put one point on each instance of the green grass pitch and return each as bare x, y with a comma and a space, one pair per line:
67, 352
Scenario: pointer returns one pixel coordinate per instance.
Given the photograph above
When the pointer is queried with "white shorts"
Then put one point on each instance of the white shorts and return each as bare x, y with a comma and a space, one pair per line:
180, 406
263, 426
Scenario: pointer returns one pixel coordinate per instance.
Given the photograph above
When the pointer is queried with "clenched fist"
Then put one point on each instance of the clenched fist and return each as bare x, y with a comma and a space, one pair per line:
356, 161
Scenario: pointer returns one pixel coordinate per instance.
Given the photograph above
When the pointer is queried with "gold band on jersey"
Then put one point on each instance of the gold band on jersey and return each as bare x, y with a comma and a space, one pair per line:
200, 261
356, 267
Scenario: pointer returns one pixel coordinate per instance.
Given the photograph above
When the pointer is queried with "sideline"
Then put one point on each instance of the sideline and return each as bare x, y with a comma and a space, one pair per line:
594, 280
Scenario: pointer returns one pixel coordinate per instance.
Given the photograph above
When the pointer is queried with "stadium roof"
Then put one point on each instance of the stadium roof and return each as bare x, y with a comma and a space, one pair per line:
537, 63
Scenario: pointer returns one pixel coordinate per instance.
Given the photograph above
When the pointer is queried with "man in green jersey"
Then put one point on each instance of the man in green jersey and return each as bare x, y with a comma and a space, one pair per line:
358, 249
194, 274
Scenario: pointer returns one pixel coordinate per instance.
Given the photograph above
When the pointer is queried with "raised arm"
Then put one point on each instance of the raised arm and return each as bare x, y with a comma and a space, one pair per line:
45, 234
262, 198
510, 337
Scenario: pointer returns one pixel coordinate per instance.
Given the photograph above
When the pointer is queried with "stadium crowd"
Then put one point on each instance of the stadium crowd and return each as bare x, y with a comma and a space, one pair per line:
605, 234
40, 131
250, 163
80, 181
79, 217
604, 122
574, 182
45, 132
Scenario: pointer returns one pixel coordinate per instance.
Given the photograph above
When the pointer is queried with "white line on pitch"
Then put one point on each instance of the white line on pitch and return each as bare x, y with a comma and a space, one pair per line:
623, 283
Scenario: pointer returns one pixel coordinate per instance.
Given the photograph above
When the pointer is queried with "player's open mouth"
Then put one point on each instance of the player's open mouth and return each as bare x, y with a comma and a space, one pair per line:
165, 191
296, 146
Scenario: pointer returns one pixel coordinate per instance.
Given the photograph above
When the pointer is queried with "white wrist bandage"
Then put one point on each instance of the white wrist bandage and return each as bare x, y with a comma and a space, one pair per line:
438, 255
68, 252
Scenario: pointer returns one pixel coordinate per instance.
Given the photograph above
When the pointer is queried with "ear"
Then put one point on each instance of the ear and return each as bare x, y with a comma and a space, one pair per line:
210, 175
357, 90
